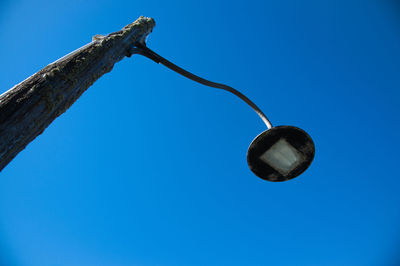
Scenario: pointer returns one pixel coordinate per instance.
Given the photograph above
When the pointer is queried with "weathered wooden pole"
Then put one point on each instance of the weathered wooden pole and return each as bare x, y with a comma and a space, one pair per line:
30, 106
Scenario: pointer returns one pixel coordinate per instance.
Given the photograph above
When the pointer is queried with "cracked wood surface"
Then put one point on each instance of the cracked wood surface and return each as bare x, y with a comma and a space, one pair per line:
30, 106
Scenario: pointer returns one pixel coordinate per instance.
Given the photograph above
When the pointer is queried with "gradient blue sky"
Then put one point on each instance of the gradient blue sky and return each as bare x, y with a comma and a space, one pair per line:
148, 168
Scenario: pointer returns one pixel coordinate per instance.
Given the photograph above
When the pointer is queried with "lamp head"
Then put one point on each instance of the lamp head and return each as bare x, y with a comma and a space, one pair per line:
280, 153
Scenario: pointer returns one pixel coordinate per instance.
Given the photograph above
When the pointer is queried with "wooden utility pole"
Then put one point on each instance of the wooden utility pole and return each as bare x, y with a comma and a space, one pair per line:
30, 106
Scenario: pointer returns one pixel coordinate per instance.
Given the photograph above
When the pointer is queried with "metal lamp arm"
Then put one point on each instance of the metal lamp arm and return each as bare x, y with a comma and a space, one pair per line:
143, 50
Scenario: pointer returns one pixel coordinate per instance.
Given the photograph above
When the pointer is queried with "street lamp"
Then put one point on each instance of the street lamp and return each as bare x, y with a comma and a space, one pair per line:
277, 154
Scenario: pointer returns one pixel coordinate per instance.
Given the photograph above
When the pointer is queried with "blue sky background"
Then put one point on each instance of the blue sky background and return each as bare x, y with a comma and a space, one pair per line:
148, 168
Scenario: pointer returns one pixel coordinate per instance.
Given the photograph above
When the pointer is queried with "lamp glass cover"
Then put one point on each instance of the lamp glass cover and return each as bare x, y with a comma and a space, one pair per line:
282, 156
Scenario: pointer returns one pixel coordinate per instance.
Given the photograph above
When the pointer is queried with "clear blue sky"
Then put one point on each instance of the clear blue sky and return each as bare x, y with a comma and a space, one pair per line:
148, 168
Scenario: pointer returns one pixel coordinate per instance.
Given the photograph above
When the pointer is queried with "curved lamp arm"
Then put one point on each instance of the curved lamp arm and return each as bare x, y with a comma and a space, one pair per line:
143, 50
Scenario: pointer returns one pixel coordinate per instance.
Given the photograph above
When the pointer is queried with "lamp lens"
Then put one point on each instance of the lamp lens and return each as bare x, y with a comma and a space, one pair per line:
282, 156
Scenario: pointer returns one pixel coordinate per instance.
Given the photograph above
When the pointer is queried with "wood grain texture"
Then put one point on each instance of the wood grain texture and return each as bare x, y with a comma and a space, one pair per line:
30, 106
